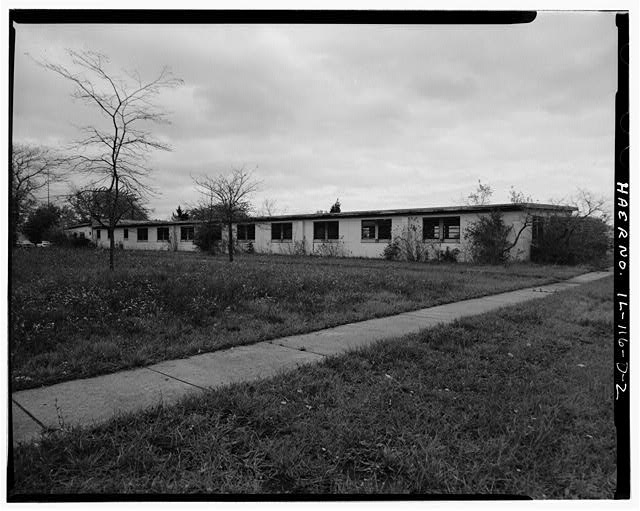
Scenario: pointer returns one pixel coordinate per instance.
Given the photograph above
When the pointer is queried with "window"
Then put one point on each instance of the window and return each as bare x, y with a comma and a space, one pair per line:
98, 234
384, 229
431, 229
441, 229
126, 234
323, 231
282, 231
163, 234
143, 234
537, 230
368, 229
186, 233
451, 228
82, 235
246, 232
108, 234
376, 229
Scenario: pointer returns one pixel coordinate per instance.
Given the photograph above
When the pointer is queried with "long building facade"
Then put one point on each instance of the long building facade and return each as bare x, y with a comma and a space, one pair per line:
348, 234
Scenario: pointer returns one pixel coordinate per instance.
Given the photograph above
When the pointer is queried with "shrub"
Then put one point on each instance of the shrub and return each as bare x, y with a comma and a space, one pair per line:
69, 241
407, 246
392, 251
208, 237
571, 240
330, 249
488, 239
448, 256
42, 223
295, 248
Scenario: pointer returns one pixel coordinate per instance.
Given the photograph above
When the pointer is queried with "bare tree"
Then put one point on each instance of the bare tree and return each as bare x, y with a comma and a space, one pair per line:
32, 169
518, 196
114, 154
269, 207
98, 206
591, 206
481, 195
227, 198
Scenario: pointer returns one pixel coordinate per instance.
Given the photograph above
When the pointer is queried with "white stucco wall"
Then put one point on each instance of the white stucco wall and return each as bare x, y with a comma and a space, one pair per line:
349, 244
75, 232
132, 242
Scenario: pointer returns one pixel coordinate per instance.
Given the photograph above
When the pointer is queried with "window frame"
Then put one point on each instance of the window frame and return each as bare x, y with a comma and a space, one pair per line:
184, 237
440, 222
125, 233
163, 229
537, 230
146, 234
98, 234
281, 225
375, 223
325, 231
248, 230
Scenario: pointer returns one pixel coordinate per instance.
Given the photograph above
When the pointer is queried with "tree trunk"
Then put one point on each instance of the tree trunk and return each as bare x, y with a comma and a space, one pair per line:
230, 241
112, 245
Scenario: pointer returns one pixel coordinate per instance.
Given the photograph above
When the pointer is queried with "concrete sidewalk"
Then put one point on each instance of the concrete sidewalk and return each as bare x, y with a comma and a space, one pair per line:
95, 400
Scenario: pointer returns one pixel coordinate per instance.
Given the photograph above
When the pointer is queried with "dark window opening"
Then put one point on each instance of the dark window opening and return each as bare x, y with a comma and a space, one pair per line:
126, 234
368, 229
376, 229
431, 229
441, 229
451, 228
384, 229
143, 234
186, 233
163, 234
537, 230
98, 233
246, 232
323, 231
282, 231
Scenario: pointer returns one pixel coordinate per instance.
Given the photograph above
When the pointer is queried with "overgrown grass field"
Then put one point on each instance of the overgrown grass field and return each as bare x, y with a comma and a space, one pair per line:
517, 401
72, 318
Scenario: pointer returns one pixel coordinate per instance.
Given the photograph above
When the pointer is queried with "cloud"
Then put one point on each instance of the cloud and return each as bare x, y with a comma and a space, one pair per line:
381, 116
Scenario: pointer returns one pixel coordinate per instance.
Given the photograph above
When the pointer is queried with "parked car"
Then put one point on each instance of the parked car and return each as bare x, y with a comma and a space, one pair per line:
44, 244
24, 244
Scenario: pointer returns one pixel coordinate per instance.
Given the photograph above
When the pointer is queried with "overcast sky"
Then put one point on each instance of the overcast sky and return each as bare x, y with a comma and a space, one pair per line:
379, 116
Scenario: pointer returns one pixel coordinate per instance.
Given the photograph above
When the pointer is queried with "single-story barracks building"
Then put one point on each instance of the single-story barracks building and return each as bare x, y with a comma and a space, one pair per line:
348, 234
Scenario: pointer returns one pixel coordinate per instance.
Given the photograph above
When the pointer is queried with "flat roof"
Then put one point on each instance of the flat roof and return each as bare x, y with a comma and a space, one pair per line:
444, 210
374, 213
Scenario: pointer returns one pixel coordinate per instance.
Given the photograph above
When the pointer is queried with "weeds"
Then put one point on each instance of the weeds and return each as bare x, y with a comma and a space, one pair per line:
445, 411
71, 318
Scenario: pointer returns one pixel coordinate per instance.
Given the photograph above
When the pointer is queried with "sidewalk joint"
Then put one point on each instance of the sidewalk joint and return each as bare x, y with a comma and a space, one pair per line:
301, 350
177, 379
31, 416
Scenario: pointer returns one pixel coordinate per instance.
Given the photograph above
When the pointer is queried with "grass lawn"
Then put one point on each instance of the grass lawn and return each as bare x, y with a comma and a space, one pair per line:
517, 401
72, 318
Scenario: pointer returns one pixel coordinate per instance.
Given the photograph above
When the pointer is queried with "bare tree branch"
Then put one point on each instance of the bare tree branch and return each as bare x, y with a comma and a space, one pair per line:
115, 154
32, 169
227, 198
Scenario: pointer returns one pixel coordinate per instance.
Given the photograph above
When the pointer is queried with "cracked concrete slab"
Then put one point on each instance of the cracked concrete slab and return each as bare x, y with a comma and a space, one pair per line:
242, 363
96, 399
356, 335
23, 425
590, 277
